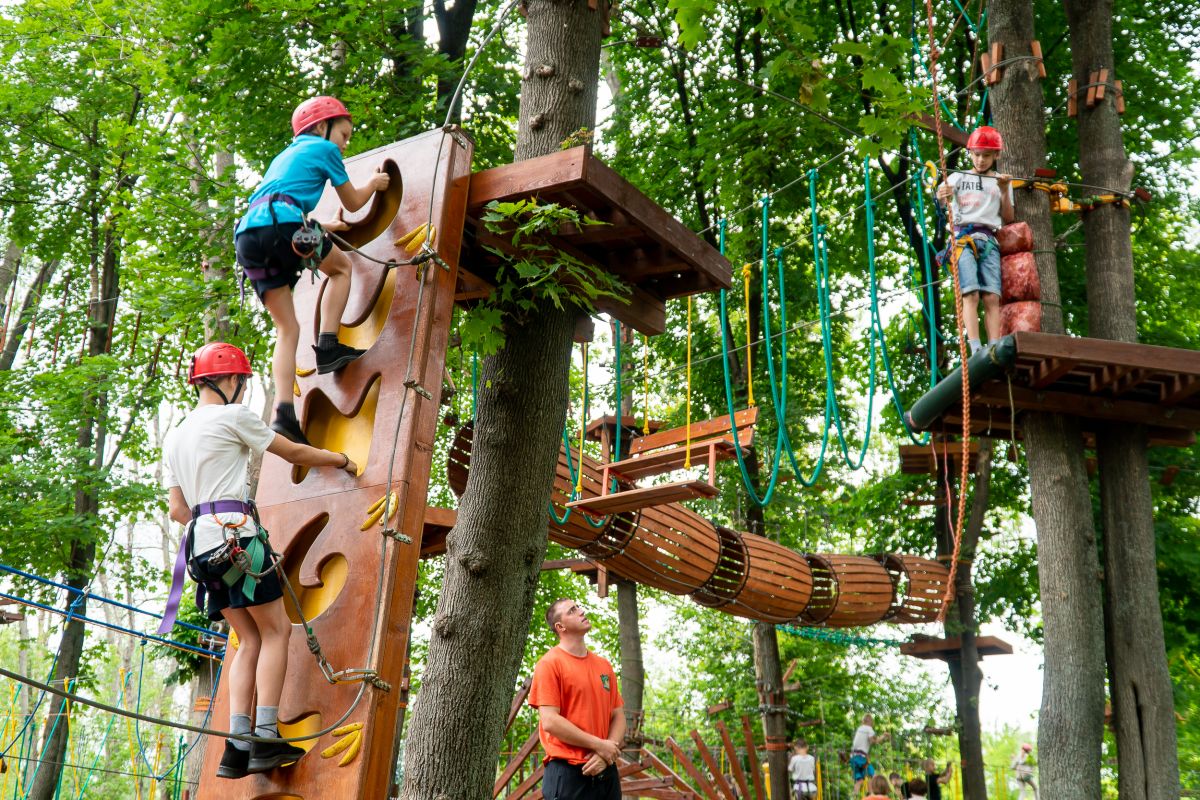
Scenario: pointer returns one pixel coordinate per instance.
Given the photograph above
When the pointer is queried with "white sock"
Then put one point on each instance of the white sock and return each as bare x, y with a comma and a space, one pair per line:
266, 719
975, 345
239, 723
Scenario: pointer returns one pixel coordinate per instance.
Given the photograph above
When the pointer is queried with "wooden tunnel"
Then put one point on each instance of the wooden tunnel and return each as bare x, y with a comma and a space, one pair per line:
1097, 380
674, 549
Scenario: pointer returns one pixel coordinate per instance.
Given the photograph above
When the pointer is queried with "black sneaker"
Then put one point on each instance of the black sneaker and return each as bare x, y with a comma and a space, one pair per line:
287, 426
265, 756
233, 762
331, 359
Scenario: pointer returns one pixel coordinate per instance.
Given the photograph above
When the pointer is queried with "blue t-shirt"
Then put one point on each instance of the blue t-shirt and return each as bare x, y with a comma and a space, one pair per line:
300, 171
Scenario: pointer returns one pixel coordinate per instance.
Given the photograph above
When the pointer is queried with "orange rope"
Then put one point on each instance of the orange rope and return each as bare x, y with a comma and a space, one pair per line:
955, 526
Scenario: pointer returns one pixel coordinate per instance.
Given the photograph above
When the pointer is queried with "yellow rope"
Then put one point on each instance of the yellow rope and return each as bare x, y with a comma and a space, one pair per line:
820, 783
646, 381
10, 724
749, 347
583, 421
687, 459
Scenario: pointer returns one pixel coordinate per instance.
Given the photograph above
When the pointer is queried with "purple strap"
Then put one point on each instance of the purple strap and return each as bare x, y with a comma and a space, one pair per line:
181, 558
172, 609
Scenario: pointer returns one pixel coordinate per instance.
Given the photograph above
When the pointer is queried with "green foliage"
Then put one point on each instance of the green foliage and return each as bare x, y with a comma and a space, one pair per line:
534, 268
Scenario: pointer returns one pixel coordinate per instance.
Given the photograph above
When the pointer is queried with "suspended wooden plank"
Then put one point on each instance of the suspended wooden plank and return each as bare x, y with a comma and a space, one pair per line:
760, 792
671, 459
692, 770
943, 649
633, 499
714, 769
920, 459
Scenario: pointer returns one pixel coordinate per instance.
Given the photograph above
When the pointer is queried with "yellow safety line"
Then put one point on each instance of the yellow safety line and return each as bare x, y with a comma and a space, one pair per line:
583, 421
749, 345
646, 380
687, 458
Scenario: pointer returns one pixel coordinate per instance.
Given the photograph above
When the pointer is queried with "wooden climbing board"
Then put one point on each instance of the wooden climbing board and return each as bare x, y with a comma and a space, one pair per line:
315, 517
1098, 380
640, 242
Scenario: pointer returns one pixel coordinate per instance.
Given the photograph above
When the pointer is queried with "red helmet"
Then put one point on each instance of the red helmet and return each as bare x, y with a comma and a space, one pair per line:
215, 359
1027, 747
985, 137
317, 109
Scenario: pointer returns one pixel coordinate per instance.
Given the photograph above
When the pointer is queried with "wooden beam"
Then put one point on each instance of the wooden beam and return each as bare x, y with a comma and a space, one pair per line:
1172, 360
691, 770
950, 132
760, 792
666, 771
657, 495
714, 768
1113, 410
521, 756
948, 648
524, 786
735, 763
1050, 371
518, 701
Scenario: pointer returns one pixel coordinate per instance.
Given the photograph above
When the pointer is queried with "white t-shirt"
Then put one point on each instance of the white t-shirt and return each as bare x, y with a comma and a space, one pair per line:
802, 767
862, 739
977, 199
207, 457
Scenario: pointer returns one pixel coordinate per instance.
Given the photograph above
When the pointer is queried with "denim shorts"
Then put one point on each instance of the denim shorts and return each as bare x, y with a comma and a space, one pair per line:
976, 277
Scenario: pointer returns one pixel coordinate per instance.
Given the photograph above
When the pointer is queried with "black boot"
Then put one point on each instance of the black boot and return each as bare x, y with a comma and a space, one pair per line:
266, 756
233, 762
286, 424
333, 356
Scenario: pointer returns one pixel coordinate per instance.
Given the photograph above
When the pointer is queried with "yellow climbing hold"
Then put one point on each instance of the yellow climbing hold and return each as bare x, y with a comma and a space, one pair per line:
376, 512
348, 744
296, 388
304, 372
412, 241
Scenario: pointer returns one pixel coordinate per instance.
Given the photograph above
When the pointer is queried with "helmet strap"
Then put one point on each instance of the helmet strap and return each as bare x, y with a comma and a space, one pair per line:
211, 384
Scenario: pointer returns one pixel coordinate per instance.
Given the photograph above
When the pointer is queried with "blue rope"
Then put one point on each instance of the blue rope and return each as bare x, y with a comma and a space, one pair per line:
101, 598
138, 730
100, 749
111, 626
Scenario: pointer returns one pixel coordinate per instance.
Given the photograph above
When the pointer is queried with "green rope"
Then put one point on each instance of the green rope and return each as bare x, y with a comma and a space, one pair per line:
837, 637
100, 749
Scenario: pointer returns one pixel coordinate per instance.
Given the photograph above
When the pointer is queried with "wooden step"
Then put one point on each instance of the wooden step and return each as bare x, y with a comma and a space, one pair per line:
660, 462
658, 495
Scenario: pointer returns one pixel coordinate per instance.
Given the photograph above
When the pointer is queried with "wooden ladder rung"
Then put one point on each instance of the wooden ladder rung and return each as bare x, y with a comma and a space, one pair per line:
631, 499
659, 462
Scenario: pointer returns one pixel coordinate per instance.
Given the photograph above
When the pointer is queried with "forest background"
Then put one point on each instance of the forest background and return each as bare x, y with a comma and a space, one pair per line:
131, 134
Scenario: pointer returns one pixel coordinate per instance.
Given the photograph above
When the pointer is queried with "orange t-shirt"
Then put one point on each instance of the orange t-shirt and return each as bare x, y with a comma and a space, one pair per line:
584, 689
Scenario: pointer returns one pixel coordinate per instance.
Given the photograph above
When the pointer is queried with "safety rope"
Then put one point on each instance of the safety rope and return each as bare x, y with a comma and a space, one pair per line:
956, 525
646, 383
687, 458
582, 420
746, 272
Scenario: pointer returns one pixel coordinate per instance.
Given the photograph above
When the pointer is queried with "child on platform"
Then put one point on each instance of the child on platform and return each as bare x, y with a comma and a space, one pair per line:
981, 202
275, 242
206, 458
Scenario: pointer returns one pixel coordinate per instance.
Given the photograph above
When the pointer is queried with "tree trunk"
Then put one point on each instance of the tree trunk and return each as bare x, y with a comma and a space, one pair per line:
965, 674
633, 674
494, 554
454, 31
1139, 679
19, 323
1072, 714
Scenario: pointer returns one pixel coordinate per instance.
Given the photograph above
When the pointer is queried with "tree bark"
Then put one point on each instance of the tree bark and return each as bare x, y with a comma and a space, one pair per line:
495, 551
20, 322
965, 674
1072, 714
1139, 679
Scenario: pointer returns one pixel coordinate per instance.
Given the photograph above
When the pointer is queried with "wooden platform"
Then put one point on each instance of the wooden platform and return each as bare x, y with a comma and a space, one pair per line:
1098, 380
919, 459
942, 649
658, 495
640, 243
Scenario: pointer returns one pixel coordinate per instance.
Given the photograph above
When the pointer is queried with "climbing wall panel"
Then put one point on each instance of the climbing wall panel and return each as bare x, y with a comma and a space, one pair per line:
321, 519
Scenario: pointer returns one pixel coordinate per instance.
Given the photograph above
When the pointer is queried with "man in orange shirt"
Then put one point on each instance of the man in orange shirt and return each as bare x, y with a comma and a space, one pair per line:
580, 711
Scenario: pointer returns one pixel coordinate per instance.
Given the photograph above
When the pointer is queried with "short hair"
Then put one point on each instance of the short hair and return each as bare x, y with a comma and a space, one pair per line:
929, 765
881, 785
868, 719
553, 614
800, 743
917, 786
894, 776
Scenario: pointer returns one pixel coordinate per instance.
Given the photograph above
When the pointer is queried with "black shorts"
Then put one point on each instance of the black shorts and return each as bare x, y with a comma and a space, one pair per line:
213, 596
563, 781
266, 256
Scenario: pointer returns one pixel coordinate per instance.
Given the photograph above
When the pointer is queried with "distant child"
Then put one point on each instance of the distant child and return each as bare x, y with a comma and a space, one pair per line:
896, 781
860, 752
1022, 767
206, 457
916, 789
802, 768
275, 242
881, 789
982, 203
933, 782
